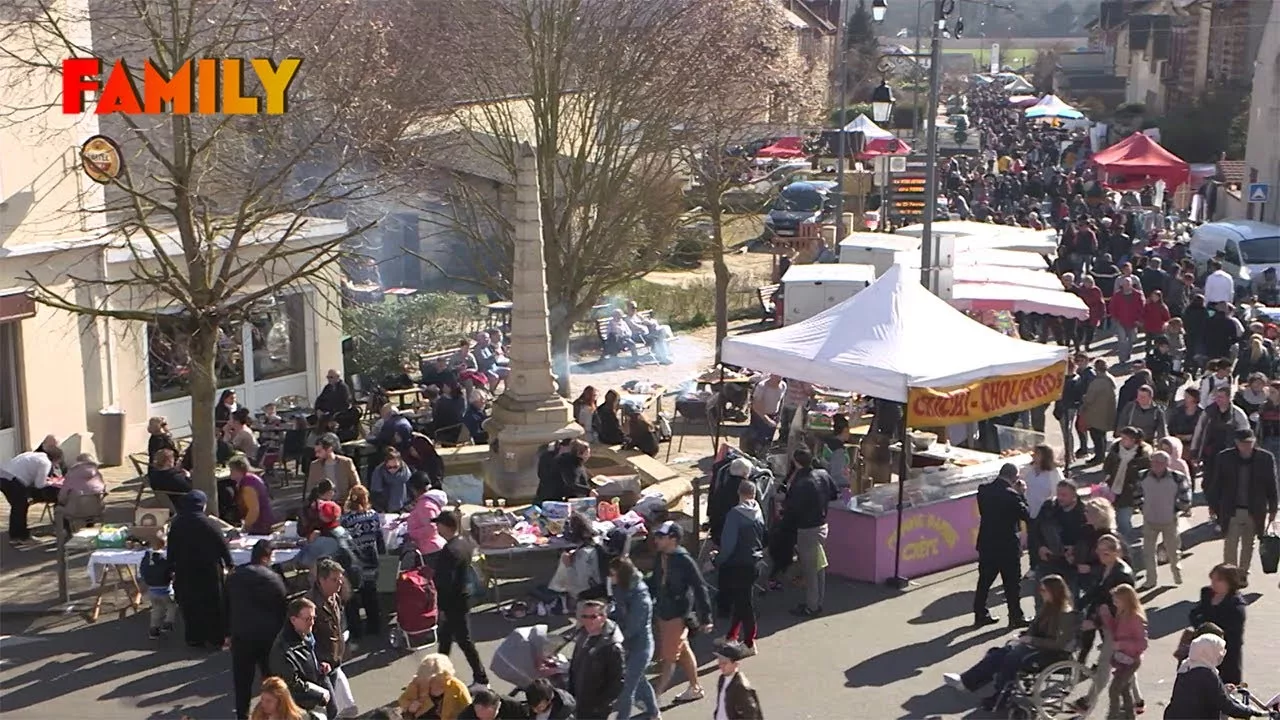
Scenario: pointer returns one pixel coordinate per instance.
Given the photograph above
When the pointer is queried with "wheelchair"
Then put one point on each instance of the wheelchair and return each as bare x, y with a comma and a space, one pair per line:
1045, 683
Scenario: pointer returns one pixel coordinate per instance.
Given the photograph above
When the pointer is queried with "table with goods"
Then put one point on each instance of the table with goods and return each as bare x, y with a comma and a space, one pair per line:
940, 514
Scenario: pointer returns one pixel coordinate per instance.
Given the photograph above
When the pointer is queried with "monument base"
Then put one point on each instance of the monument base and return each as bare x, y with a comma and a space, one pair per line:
522, 429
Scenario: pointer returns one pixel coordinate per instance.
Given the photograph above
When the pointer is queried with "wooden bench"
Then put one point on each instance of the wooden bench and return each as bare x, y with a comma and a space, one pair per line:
608, 349
765, 294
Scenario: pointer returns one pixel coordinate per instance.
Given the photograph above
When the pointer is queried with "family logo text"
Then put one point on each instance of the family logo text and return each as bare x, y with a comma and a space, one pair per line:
208, 86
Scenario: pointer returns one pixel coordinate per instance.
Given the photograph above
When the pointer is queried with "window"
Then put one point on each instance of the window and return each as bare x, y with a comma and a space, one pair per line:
279, 335
8, 376
169, 359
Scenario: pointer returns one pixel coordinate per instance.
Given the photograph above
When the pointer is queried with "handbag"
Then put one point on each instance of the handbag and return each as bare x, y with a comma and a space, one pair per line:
1184, 644
1269, 551
343, 698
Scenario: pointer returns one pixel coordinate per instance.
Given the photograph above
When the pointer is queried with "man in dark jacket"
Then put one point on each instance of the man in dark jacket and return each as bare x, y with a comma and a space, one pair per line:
1002, 507
542, 701
549, 471
453, 594
595, 672
805, 509
293, 659
741, 550
256, 605
1242, 496
1060, 527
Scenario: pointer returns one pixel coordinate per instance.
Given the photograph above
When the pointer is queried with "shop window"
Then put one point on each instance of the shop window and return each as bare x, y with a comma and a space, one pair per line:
8, 376
279, 338
169, 359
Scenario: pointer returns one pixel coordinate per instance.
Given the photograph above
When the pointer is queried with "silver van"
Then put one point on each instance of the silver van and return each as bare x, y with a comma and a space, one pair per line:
1246, 248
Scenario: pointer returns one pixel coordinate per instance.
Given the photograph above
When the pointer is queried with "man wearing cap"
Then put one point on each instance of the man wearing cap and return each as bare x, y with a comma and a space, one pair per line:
680, 598
724, 495
739, 558
331, 540
805, 510
735, 698
1002, 509
1241, 493
257, 603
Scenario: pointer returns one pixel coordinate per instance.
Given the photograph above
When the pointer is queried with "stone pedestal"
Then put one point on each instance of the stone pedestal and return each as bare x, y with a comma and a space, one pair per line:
529, 413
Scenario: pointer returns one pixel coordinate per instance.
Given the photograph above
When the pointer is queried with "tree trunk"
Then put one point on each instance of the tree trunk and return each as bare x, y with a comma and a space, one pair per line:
721, 272
204, 386
561, 332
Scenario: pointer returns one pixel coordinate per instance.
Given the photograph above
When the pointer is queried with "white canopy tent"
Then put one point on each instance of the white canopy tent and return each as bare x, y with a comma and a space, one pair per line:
892, 336
1016, 297
1052, 106
1019, 85
869, 129
973, 235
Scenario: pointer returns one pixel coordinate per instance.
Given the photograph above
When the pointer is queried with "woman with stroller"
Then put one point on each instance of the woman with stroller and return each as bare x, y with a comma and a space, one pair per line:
1052, 631
634, 615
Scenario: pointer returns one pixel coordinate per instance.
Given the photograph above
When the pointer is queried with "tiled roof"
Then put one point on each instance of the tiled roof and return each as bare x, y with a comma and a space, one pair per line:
1231, 172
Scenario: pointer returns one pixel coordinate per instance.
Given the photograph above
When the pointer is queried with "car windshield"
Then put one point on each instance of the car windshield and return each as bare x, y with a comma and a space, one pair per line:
799, 199
1261, 251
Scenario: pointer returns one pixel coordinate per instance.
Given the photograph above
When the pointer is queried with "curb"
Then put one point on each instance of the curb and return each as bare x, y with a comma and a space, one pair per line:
43, 609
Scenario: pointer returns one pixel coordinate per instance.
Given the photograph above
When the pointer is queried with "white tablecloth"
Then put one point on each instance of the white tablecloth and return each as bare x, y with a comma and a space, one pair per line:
100, 560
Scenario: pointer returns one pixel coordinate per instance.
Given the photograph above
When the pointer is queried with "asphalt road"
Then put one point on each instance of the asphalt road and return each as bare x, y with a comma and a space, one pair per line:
875, 653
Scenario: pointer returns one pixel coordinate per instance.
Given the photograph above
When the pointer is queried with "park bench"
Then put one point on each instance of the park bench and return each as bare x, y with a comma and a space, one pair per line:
609, 348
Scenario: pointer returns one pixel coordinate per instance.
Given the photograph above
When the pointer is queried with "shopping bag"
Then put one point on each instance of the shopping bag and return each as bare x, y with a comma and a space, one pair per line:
342, 696
1269, 551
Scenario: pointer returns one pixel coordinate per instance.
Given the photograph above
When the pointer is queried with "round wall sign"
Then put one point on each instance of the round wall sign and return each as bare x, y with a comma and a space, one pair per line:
101, 159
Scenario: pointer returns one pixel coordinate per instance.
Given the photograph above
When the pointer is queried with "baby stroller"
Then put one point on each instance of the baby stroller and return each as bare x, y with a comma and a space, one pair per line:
525, 652
414, 626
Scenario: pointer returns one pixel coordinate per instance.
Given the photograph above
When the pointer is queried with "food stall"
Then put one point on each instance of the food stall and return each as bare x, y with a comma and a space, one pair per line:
896, 341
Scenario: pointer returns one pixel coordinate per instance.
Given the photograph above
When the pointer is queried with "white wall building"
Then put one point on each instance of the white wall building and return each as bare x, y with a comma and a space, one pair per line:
57, 370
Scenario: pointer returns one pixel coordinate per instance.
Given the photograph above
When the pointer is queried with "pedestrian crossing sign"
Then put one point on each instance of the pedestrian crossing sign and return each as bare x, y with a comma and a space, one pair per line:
1259, 192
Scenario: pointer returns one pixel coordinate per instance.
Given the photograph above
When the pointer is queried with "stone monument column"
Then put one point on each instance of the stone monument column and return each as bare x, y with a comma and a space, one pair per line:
529, 413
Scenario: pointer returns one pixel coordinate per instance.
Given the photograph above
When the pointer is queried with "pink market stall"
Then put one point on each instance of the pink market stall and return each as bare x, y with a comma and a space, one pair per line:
897, 342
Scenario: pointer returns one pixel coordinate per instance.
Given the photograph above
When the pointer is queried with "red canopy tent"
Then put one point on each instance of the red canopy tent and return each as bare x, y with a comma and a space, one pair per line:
877, 148
1137, 161
787, 147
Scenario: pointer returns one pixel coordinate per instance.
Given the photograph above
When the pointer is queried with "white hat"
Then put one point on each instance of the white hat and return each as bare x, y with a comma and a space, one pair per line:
741, 467
439, 497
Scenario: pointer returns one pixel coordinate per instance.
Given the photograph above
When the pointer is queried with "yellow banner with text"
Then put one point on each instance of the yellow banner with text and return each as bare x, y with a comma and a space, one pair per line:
982, 399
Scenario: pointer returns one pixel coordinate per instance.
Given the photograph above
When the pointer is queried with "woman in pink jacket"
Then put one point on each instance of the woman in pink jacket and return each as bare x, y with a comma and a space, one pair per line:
427, 506
1127, 631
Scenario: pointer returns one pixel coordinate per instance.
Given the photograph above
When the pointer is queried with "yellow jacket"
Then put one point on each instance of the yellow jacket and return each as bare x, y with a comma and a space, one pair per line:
456, 699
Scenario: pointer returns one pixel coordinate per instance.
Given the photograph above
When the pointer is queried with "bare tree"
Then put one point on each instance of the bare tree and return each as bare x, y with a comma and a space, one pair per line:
603, 90
763, 78
217, 212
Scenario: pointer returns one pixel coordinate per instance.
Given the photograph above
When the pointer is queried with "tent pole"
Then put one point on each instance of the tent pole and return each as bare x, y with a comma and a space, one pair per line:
904, 466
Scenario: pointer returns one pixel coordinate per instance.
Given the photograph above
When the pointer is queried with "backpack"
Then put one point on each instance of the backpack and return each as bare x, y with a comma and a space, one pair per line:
155, 570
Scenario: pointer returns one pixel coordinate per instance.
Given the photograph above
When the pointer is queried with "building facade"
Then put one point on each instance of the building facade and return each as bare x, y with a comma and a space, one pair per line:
1262, 152
58, 370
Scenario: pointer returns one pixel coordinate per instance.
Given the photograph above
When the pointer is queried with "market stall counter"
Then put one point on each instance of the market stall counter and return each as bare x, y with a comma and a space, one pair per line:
939, 521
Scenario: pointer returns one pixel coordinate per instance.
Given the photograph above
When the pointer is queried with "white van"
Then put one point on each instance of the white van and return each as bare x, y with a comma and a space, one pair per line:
1247, 248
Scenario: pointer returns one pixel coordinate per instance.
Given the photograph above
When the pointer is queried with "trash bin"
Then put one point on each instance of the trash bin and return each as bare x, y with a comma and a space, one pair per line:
110, 439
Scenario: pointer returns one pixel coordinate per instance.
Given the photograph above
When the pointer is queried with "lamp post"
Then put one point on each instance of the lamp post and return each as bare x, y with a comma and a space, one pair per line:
929, 250
882, 102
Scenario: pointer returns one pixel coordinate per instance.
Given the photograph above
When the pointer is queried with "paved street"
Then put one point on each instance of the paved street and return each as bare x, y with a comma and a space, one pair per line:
875, 653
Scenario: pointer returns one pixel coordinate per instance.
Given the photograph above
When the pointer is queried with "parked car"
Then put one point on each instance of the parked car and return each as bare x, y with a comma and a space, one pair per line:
756, 195
799, 202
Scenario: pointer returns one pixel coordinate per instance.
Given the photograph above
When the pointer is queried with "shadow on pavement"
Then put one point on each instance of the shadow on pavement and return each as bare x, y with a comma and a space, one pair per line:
945, 608
905, 662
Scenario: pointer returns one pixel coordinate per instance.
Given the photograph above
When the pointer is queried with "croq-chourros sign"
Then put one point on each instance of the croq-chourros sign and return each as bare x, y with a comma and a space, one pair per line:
208, 86
928, 407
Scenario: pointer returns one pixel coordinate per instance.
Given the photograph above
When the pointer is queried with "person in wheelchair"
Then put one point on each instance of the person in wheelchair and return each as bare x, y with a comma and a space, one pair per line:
1049, 637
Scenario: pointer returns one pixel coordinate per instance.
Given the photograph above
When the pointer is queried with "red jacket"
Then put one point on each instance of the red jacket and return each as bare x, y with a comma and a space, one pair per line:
1127, 309
1154, 316
1093, 299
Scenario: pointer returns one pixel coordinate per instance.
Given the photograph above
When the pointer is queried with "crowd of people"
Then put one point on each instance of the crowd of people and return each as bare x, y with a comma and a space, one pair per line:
1203, 402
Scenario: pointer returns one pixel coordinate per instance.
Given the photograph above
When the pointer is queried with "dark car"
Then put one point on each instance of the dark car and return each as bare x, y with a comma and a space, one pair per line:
800, 202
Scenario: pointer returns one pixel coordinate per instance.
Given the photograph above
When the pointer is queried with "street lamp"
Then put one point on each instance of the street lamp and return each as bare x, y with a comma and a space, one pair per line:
882, 102
878, 10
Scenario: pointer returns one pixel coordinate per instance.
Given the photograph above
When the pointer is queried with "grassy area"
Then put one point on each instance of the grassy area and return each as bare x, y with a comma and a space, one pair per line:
1008, 56
692, 304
